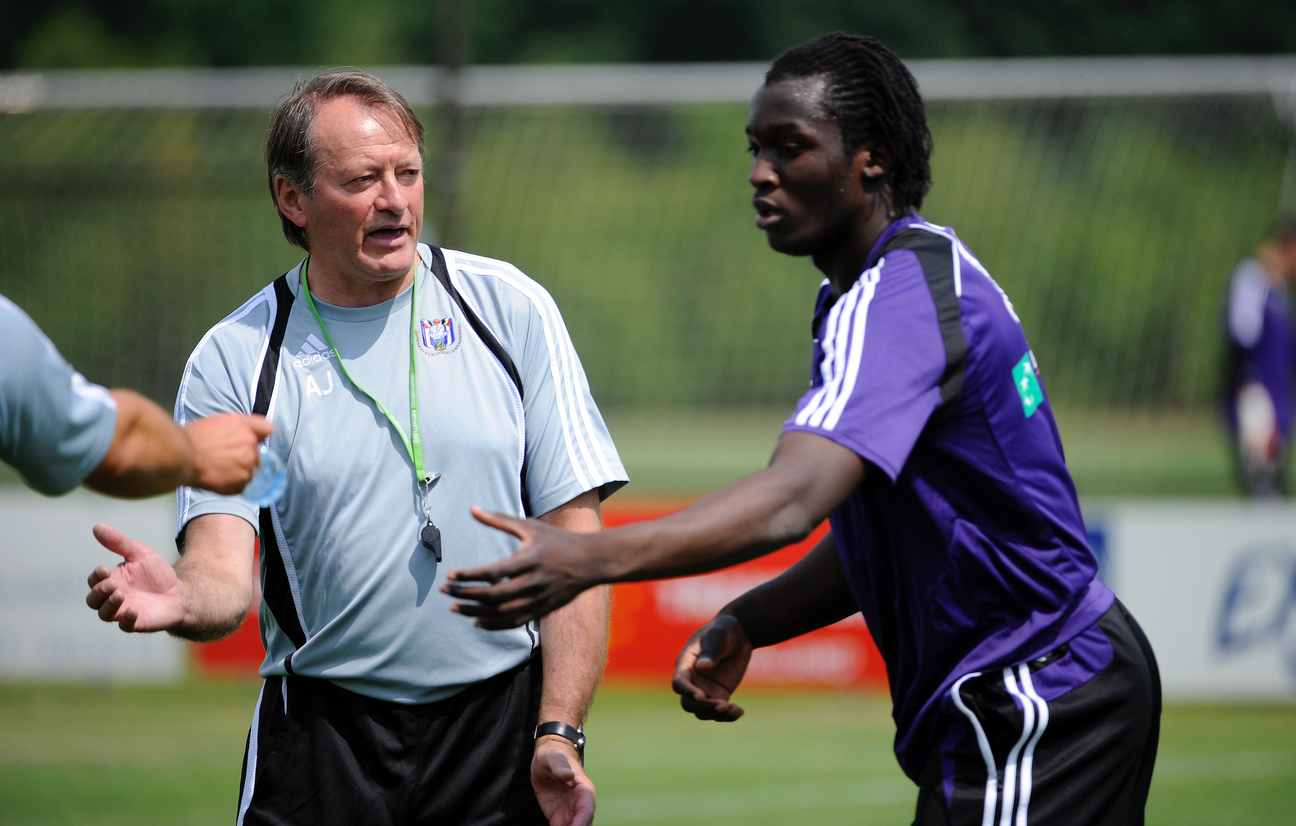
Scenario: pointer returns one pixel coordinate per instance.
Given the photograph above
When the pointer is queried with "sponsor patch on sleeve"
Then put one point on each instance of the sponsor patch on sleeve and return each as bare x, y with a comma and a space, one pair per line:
1028, 386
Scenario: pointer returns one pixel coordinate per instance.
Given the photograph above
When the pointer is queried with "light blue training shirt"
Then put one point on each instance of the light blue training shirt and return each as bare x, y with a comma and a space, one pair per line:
55, 427
349, 592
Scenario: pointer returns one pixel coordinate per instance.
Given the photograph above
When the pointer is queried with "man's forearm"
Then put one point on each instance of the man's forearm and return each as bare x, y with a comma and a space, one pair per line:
807, 478
573, 640
216, 577
812, 594
574, 650
150, 453
751, 517
215, 605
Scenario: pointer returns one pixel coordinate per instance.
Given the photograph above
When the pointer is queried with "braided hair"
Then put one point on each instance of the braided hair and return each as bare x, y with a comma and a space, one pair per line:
874, 100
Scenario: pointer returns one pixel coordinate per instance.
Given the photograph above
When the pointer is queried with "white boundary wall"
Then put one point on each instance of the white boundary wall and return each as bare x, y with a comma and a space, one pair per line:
1213, 583
648, 84
46, 554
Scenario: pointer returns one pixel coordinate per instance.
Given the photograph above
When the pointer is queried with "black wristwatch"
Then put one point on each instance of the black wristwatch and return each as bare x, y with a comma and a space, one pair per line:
563, 730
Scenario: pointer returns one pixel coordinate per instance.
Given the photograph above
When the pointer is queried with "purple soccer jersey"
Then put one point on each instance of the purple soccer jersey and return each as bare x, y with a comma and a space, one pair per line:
971, 554
1262, 339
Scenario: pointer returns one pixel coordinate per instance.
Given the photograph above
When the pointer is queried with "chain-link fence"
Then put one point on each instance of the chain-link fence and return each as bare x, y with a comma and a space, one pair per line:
1112, 216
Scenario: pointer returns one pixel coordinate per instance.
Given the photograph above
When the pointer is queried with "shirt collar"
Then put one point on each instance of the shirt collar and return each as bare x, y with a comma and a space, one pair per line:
894, 227
826, 298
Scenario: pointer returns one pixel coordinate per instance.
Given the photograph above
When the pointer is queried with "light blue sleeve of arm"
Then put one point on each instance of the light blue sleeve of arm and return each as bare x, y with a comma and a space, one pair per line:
55, 427
568, 448
218, 379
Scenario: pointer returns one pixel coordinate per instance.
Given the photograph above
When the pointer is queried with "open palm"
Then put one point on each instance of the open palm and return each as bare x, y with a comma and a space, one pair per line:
142, 593
564, 791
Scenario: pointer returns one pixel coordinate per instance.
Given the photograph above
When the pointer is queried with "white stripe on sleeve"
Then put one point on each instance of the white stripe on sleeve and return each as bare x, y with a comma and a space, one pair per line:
825, 366
836, 351
574, 387
870, 280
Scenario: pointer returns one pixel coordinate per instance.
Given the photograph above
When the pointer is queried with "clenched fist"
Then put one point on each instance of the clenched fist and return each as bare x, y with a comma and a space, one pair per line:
225, 450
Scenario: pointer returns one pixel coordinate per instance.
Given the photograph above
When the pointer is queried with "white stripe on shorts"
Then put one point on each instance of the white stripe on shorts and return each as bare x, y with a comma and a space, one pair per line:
249, 782
992, 774
1018, 773
1010, 764
1028, 757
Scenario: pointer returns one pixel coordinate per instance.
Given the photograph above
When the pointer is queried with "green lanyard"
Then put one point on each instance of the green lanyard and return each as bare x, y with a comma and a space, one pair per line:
410, 443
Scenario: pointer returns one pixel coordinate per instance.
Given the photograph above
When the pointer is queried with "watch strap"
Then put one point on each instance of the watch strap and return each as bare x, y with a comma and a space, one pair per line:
563, 730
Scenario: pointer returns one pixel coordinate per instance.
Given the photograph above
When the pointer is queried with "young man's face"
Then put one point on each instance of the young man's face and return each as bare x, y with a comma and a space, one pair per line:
364, 216
808, 193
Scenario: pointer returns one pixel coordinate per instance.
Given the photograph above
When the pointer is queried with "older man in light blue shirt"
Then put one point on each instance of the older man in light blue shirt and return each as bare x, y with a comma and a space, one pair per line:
388, 366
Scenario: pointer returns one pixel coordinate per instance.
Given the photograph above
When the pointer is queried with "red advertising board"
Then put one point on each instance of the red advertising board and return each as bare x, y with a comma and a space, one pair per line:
652, 620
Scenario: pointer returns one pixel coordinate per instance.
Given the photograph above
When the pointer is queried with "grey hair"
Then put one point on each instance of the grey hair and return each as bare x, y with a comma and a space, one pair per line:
290, 149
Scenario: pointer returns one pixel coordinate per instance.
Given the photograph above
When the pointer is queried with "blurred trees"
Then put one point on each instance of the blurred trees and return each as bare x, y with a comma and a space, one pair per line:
72, 33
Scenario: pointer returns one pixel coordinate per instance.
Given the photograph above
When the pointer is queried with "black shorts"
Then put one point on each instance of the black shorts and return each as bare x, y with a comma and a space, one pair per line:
319, 754
1082, 758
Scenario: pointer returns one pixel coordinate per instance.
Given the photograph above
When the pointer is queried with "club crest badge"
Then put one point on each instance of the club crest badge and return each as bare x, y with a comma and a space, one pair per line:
438, 336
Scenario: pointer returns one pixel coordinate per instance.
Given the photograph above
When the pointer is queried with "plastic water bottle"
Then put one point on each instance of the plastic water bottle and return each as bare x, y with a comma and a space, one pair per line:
268, 483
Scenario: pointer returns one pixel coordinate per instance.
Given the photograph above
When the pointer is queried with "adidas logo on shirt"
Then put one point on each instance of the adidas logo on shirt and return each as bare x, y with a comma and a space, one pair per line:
311, 346
313, 351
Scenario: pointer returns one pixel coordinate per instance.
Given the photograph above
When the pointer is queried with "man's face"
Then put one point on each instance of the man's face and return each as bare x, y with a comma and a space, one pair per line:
364, 218
807, 190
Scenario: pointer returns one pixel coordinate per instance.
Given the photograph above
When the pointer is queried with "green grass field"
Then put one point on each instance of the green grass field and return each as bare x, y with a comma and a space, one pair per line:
135, 755
1110, 453
131, 755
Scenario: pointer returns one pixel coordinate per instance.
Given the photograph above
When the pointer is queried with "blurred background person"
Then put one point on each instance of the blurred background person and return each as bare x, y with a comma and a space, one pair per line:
58, 430
1260, 379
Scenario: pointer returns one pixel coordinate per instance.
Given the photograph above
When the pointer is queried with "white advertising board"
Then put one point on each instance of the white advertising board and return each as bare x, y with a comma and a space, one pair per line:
46, 554
1214, 586
1213, 583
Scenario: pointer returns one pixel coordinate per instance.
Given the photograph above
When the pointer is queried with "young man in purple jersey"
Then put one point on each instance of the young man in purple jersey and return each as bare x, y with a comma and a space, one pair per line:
1023, 691
1260, 376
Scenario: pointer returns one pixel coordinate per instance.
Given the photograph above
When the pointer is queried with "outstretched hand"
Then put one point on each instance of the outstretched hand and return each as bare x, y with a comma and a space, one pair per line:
226, 450
710, 667
549, 570
564, 791
142, 593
